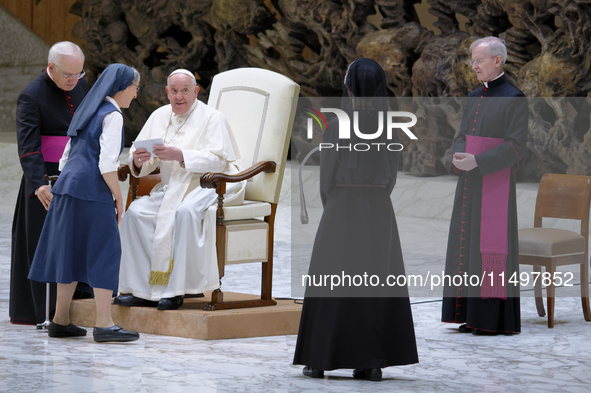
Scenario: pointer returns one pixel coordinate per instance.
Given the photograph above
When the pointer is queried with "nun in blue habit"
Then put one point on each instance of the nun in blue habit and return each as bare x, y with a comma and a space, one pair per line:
80, 238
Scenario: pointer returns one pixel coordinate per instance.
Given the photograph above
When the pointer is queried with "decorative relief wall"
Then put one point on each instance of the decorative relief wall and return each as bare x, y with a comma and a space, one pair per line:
312, 41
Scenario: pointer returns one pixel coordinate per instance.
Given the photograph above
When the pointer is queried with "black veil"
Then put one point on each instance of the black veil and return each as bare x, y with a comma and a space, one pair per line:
365, 95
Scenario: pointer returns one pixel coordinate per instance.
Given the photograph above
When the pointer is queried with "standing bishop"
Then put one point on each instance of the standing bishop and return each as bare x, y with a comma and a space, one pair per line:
44, 110
483, 231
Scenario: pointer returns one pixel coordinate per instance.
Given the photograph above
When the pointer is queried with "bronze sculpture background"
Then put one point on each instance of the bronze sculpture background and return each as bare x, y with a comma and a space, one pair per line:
312, 42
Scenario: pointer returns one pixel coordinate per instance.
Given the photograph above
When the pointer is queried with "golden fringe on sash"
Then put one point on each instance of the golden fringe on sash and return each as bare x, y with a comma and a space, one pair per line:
161, 278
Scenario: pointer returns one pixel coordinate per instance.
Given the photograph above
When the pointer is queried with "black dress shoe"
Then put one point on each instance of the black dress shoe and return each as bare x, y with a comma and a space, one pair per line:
478, 332
313, 372
465, 329
193, 295
71, 330
170, 303
114, 333
132, 301
371, 374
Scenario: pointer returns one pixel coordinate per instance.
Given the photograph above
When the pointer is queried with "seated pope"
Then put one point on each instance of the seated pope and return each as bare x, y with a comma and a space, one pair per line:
168, 238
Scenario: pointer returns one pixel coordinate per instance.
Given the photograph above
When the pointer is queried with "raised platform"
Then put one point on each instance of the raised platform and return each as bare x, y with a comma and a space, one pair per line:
191, 321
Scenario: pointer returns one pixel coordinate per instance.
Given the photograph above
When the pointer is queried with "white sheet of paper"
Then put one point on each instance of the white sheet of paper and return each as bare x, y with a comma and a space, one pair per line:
148, 144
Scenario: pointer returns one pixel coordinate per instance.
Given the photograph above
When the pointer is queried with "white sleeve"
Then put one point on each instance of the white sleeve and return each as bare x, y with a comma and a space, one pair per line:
65, 156
110, 142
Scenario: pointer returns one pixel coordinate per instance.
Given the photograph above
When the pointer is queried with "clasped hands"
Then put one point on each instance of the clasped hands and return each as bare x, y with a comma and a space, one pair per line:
464, 161
165, 153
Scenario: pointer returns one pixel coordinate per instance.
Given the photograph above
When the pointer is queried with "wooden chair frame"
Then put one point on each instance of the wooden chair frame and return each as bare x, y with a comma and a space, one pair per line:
578, 190
260, 107
218, 181
143, 186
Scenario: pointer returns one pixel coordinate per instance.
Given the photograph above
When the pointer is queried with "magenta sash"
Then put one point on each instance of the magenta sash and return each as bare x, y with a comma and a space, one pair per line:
52, 147
493, 221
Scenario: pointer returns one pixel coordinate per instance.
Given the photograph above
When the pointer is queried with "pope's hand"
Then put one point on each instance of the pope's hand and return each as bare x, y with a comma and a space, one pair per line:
140, 156
168, 153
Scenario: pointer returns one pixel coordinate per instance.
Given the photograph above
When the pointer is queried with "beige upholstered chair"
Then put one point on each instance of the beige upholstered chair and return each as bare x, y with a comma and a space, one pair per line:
260, 106
559, 196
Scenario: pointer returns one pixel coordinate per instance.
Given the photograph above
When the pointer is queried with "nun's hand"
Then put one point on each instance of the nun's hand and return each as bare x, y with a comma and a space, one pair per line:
119, 208
44, 195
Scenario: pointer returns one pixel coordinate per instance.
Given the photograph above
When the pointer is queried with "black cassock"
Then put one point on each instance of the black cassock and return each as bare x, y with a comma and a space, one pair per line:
42, 109
499, 111
356, 327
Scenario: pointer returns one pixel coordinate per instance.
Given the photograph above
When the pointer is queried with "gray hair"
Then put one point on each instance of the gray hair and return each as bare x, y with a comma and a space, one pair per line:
496, 46
136, 76
63, 48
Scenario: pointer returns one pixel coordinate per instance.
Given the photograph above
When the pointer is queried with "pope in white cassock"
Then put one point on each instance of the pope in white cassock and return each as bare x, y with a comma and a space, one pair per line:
168, 237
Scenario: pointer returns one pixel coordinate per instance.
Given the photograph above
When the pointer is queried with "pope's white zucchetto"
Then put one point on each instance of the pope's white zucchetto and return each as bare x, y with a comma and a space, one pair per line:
182, 71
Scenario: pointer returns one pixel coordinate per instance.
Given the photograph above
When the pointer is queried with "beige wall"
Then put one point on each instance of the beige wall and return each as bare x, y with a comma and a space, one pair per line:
23, 55
50, 19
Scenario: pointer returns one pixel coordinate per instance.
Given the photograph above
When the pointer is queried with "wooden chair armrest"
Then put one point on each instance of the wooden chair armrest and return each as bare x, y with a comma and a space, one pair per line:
219, 180
138, 186
214, 180
123, 172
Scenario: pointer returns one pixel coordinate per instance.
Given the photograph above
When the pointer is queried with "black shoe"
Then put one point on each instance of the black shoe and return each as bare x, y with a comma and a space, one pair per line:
170, 303
478, 332
371, 374
465, 329
193, 295
132, 301
114, 333
313, 372
71, 330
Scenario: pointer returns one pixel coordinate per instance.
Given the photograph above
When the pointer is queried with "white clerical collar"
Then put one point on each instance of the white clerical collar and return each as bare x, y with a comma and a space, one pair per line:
186, 115
486, 83
49, 74
112, 101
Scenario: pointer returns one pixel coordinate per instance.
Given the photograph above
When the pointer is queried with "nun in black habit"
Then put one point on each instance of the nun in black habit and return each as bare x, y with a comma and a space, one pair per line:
363, 327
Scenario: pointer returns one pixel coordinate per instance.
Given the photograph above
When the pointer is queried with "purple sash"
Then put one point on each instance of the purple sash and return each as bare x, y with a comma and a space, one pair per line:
493, 221
52, 147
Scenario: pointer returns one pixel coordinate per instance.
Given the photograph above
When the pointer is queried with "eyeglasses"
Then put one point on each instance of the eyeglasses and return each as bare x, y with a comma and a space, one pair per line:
476, 62
479, 62
70, 76
137, 87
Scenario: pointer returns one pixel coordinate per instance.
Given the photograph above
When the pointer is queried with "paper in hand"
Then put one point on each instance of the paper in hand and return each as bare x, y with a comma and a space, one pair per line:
148, 144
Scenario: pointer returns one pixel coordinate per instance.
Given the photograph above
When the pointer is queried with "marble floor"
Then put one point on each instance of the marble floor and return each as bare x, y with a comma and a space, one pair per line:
537, 360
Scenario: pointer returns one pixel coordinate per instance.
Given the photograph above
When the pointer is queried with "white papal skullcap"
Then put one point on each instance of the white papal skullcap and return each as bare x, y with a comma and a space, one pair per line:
182, 71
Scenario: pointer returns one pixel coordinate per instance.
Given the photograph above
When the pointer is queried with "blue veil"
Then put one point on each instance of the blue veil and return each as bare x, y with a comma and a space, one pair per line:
115, 78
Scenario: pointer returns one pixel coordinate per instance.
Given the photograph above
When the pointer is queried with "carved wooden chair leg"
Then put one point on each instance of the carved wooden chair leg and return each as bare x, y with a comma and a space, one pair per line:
538, 293
585, 292
551, 292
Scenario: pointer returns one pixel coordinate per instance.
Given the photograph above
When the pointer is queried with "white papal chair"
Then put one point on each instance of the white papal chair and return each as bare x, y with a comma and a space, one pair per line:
260, 106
